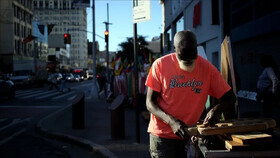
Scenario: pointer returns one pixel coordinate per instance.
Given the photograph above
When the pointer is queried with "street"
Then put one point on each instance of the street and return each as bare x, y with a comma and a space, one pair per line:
18, 119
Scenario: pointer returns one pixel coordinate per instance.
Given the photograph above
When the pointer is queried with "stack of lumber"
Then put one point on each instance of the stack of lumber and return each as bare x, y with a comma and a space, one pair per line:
248, 141
242, 134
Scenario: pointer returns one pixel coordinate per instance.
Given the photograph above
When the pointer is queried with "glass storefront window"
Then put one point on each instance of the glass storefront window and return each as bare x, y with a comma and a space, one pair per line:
169, 39
180, 24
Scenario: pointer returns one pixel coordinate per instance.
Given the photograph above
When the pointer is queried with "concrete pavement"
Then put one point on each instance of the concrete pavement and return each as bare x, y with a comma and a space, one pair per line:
96, 135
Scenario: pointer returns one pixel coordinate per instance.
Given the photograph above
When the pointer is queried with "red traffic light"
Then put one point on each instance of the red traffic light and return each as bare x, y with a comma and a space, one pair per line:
106, 32
67, 38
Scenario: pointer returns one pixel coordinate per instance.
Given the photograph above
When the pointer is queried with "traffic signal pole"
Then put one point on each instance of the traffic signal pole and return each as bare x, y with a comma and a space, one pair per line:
107, 43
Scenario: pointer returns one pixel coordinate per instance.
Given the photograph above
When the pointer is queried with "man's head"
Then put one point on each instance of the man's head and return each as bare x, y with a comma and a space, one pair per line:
186, 47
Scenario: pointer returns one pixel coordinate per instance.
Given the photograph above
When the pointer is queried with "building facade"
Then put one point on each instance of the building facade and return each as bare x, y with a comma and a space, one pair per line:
252, 26
66, 18
200, 16
15, 26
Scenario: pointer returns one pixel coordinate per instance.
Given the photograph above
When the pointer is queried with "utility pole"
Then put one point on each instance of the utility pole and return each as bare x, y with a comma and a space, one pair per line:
107, 43
93, 93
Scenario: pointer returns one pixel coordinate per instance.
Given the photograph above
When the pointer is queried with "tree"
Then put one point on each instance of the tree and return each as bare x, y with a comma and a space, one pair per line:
127, 51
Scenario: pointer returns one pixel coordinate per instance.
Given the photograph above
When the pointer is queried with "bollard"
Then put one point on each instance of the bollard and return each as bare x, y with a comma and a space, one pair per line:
78, 112
117, 118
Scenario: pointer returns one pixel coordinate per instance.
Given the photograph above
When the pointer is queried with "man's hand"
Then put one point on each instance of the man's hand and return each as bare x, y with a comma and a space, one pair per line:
212, 116
179, 128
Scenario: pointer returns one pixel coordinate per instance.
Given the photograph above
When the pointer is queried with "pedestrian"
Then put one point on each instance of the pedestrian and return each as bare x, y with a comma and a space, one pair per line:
178, 86
63, 82
102, 81
53, 82
267, 85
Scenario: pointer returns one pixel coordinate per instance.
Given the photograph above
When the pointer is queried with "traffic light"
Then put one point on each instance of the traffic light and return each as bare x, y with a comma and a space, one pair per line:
67, 38
106, 36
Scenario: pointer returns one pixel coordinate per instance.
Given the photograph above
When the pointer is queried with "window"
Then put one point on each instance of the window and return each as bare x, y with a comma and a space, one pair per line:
46, 4
15, 29
180, 24
215, 59
15, 48
40, 4
55, 4
215, 12
169, 39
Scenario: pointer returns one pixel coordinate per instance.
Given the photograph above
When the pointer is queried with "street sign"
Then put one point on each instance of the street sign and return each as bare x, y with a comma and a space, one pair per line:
141, 10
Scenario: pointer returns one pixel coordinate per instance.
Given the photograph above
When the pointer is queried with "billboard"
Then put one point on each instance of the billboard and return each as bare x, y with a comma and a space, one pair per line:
80, 3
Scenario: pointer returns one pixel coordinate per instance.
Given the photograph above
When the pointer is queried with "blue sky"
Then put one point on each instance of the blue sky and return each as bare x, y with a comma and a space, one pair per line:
120, 15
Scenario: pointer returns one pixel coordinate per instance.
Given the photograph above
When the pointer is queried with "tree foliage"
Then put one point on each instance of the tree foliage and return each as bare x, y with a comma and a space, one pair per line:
127, 51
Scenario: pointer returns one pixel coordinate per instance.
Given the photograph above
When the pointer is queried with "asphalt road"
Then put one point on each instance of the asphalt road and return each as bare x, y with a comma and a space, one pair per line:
18, 119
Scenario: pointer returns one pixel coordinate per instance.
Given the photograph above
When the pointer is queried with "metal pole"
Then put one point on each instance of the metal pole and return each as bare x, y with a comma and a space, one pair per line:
107, 45
136, 83
93, 93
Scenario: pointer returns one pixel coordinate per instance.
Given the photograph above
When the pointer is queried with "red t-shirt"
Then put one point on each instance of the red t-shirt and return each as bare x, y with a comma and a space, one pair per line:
182, 94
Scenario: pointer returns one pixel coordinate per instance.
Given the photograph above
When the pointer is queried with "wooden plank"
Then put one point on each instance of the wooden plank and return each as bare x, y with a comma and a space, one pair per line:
234, 126
235, 146
228, 68
251, 138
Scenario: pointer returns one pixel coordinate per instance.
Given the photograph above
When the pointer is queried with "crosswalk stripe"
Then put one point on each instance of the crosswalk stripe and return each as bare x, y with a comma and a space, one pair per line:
31, 107
64, 95
71, 98
37, 94
24, 91
28, 93
45, 96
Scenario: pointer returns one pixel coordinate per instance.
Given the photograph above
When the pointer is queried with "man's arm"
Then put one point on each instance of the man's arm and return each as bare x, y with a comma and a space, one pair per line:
226, 104
177, 126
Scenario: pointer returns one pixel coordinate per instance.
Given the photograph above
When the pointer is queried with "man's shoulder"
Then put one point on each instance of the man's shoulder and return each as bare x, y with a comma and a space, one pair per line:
166, 58
204, 63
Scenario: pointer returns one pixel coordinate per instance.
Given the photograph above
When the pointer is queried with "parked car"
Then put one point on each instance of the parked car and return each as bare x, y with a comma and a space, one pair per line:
22, 77
77, 78
70, 77
7, 87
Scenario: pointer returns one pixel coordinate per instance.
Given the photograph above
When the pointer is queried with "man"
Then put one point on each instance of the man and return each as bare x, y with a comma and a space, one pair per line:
178, 86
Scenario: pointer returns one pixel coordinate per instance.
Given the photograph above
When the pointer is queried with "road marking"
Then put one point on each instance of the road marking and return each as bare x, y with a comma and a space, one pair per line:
61, 96
12, 136
34, 106
71, 98
23, 91
45, 96
37, 94
28, 93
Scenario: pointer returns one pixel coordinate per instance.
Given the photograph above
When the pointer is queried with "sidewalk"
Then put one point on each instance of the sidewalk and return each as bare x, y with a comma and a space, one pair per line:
96, 136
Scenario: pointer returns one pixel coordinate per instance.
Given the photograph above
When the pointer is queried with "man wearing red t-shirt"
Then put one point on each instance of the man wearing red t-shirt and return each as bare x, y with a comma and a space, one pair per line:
178, 86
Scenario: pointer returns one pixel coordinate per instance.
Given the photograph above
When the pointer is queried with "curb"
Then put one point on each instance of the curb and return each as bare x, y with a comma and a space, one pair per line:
98, 149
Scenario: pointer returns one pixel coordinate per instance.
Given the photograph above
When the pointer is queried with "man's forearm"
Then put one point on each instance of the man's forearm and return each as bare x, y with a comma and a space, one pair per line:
159, 113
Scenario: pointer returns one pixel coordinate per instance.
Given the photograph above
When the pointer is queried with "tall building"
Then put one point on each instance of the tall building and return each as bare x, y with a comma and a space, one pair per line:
15, 26
66, 18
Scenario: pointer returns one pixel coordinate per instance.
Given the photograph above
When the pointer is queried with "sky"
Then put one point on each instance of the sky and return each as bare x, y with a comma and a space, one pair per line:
120, 17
